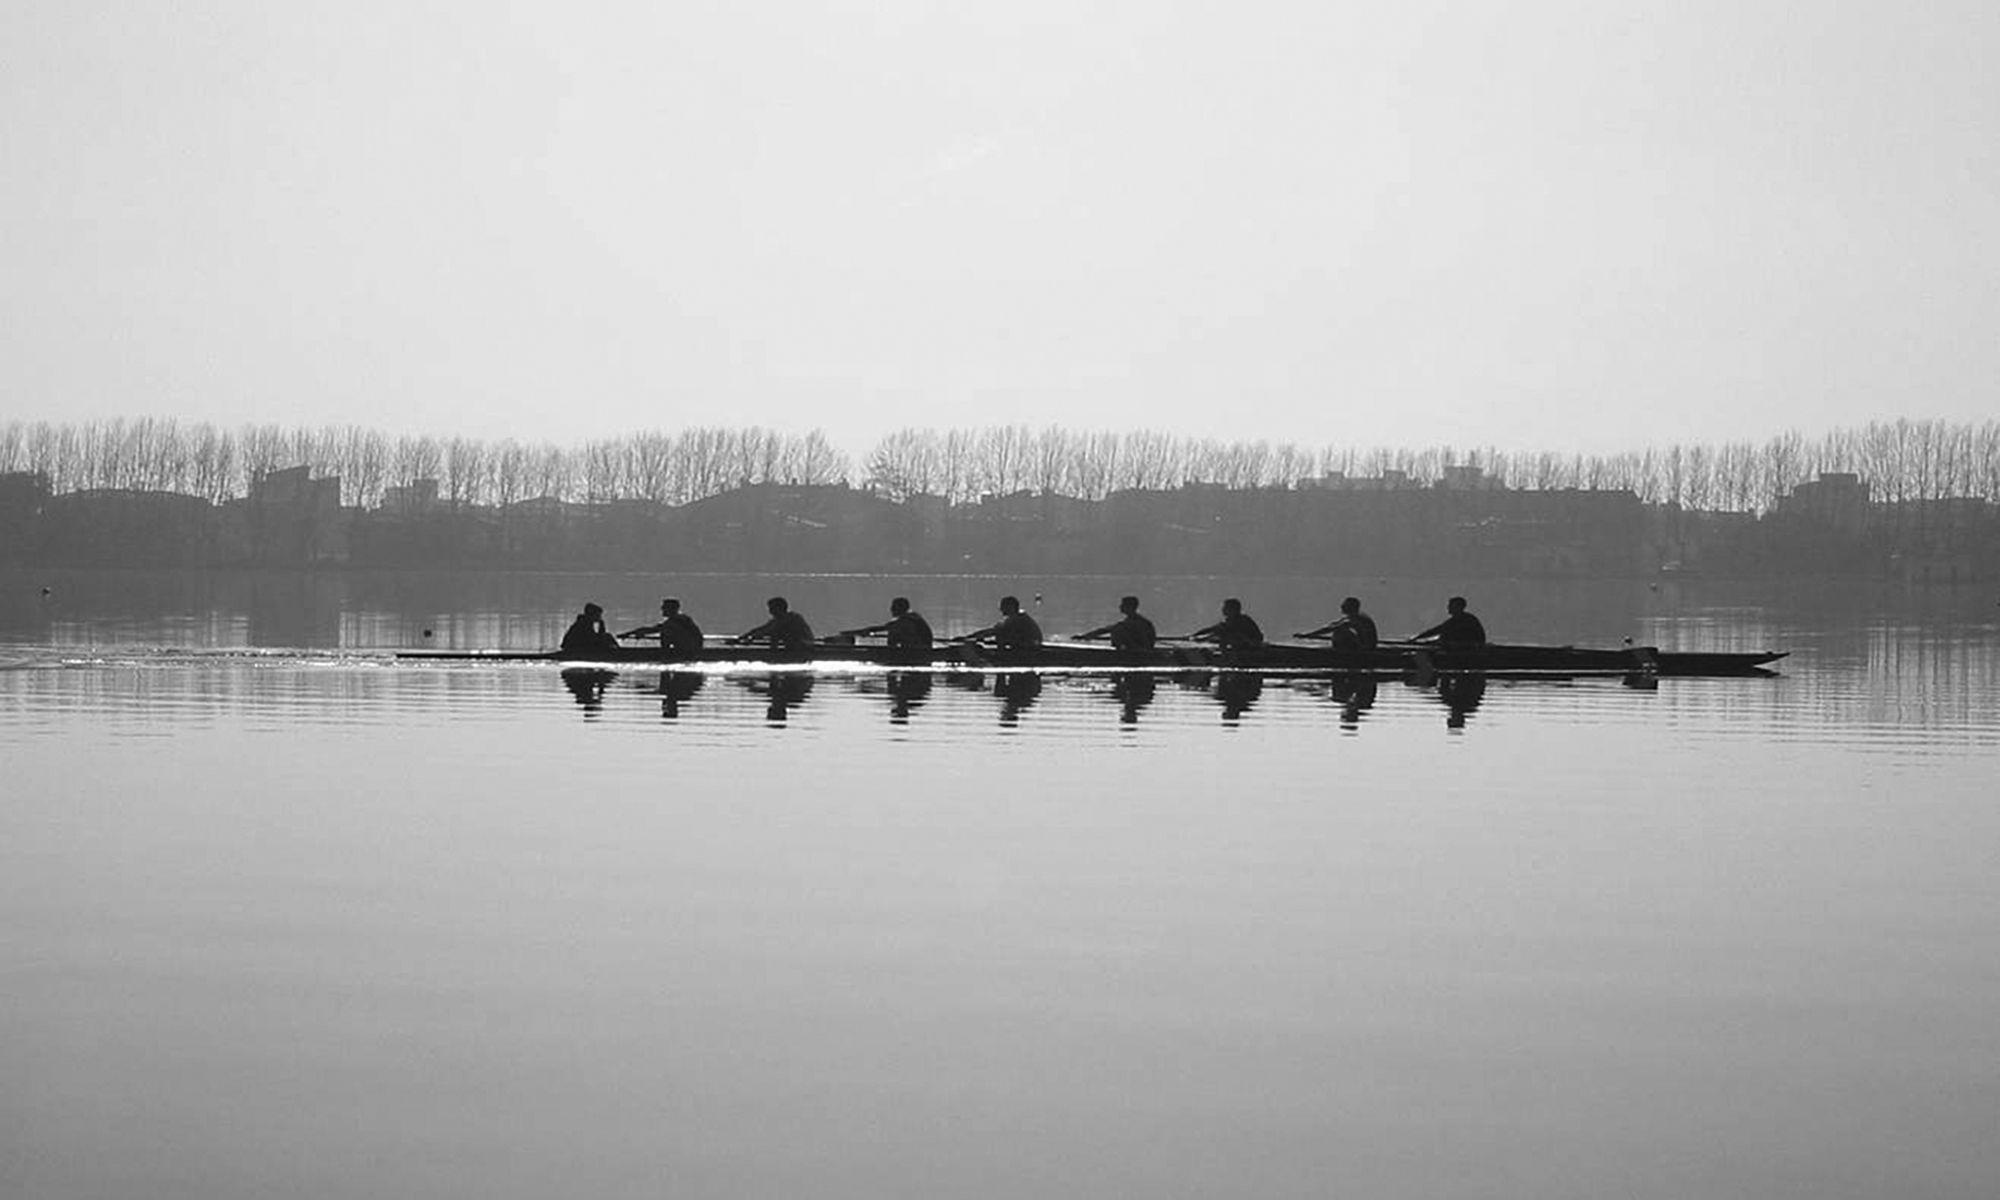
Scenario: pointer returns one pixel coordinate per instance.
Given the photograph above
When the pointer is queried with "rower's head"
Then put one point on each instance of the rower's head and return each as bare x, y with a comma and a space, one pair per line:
1128, 604
1232, 607
1455, 605
1351, 605
899, 606
593, 610
669, 606
1010, 605
777, 605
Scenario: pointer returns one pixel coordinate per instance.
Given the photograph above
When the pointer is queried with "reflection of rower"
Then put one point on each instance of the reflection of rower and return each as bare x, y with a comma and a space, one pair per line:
587, 687
676, 689
786, 630
1356, 695
785, 690
1016, 692
1235, 631
1461, 695
1134, 691
907, 692
1129, 632
1238, 692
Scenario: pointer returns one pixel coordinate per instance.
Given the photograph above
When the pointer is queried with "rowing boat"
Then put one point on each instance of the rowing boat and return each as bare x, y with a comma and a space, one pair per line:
1386, 660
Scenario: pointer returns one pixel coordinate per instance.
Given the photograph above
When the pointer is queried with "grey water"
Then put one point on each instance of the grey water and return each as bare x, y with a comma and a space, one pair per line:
282, 914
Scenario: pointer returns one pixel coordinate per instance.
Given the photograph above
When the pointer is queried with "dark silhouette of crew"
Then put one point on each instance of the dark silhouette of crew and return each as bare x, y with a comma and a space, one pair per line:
1235, 631
1129, 632
1015, 630
1459, 628
786, 630
1353, 630
904, 630
678, 634
587, 635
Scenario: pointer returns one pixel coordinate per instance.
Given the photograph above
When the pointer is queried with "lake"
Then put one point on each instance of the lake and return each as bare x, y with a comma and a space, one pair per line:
284, 916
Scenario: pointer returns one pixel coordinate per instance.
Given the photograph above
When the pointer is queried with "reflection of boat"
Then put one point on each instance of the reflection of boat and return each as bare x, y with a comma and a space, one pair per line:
1386, 660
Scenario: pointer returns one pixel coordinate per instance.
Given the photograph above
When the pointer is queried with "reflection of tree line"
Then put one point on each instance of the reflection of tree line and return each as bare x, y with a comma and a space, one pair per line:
1901, 460
1235, 693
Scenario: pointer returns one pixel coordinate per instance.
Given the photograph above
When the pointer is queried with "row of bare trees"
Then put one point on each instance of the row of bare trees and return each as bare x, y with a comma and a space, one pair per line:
160, 454
1901, 460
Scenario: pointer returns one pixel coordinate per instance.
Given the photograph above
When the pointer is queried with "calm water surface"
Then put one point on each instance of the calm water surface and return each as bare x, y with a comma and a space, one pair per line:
284, 916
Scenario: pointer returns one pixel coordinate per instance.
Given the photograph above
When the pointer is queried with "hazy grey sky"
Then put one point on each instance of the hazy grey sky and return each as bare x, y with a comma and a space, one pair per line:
1580, 225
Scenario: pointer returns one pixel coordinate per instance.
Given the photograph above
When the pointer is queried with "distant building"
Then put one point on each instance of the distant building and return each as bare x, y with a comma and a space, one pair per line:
1838, 499
1389, 480
293, 519
23, 495
118, 527
1469, 478
412, 499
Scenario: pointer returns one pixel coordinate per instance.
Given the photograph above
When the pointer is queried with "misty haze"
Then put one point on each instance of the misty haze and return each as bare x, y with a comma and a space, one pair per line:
893, 599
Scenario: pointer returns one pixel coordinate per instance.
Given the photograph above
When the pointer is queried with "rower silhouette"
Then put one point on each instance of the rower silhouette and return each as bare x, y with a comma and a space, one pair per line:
904, 630
1459, 628
586, 635
1015, 630
1235, 631
679, 635
1352, 630
1130, 631
786, 630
